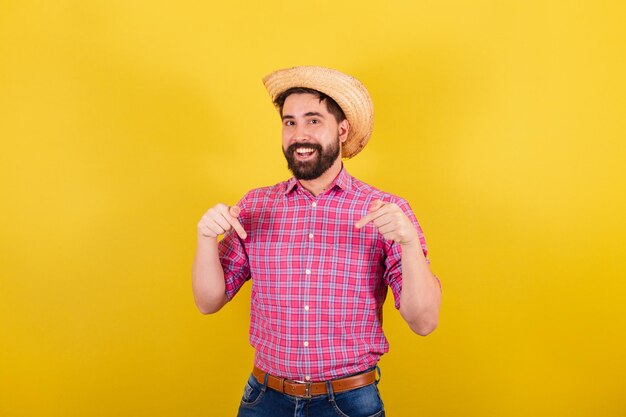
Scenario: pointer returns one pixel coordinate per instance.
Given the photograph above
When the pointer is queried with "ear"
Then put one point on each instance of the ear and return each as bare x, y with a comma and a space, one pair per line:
342, 130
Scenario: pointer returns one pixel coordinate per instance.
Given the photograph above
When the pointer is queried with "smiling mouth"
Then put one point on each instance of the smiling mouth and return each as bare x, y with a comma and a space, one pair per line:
304, 152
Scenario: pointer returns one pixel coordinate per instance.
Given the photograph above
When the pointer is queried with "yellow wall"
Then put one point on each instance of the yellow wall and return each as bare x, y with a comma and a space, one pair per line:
121, 122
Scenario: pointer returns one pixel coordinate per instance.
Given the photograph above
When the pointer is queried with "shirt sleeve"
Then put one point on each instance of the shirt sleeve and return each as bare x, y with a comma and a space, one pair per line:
234, 258
393, 261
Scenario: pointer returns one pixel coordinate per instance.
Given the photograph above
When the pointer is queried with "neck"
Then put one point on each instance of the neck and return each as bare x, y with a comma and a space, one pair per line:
321, 183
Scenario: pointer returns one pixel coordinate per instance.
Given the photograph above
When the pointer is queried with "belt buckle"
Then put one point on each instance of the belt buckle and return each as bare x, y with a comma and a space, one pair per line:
307, 390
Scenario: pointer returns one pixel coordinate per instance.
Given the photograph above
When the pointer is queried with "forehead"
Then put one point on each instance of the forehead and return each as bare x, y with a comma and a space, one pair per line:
302, 103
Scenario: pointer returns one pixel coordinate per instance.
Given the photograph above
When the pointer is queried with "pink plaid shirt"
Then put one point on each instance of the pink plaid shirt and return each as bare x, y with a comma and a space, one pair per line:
318, 283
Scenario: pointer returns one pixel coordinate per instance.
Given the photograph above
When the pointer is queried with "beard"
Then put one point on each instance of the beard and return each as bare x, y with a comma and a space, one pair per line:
312, 169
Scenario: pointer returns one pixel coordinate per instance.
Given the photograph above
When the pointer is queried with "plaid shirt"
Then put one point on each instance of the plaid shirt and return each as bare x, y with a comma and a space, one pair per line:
318, 283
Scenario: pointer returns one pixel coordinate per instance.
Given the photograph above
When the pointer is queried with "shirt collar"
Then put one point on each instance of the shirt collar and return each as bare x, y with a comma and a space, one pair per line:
343, 181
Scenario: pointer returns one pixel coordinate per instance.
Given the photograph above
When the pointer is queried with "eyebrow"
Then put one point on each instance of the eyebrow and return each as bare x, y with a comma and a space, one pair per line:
308, 114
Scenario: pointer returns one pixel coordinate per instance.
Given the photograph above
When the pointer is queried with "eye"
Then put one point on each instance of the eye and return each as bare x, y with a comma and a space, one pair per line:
289, 123
314, 121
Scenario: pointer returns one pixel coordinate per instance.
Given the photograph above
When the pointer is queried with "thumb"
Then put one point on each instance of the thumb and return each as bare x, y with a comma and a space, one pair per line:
234, 211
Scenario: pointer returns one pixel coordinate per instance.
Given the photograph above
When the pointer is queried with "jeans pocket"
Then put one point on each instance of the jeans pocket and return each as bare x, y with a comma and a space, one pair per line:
360, 402
252, 392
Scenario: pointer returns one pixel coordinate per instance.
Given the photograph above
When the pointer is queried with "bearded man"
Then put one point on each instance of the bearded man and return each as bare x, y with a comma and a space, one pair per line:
322, 249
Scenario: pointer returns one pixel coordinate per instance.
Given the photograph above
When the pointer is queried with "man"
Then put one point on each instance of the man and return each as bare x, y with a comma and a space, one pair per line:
321, 250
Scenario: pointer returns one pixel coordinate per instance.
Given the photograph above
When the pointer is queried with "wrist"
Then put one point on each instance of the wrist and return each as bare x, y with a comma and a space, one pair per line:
206, 240
411, 244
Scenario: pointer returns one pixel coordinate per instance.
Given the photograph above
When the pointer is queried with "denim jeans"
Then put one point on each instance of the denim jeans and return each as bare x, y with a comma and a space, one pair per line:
261, 401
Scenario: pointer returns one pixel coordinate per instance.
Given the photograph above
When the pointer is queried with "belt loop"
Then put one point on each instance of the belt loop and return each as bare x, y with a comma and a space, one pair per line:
329, 388
267, 375
380, 374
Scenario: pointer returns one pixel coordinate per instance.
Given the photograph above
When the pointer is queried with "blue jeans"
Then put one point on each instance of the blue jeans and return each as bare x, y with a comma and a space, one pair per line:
261, 401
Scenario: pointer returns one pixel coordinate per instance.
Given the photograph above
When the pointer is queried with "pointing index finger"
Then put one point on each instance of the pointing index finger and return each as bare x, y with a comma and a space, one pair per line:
233, 213
374, 212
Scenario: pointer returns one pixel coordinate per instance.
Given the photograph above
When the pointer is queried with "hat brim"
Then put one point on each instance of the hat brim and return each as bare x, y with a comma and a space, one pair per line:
349, 93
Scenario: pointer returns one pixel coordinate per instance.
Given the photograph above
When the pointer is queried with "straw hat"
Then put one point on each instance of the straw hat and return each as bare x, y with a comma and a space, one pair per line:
347, 91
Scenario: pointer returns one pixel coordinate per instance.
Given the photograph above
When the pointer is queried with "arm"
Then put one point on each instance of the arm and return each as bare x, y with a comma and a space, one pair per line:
420, 298
209, 288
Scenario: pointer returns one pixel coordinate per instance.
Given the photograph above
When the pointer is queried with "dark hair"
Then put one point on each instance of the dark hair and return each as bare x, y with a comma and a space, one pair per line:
331, 105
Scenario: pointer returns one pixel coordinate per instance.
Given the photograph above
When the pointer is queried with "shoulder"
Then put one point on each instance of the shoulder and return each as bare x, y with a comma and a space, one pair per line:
368, 192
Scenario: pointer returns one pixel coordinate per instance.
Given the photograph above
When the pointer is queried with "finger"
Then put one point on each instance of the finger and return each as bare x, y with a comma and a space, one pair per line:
236, 225
214, 227
213, 216
221, 220
376, 204
234, 211
383, 220
372, 215
387, 228
232, 221
368, 218
205, 231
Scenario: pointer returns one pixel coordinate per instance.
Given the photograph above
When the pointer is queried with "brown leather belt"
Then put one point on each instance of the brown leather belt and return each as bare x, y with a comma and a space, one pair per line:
309, 389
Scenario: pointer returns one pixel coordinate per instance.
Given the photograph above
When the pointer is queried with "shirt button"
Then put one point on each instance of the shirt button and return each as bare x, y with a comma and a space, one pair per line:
306, 308
306, 344
314, 204
307, 378
310, 235
308, 272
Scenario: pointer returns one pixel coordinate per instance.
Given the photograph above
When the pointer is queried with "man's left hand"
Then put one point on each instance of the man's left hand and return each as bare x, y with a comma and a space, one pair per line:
391, 222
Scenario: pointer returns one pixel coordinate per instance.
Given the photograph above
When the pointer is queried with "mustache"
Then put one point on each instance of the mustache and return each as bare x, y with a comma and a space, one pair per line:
292, 148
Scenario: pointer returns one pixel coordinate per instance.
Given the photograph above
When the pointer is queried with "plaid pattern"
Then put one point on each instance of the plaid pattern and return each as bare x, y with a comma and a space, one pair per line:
318, 283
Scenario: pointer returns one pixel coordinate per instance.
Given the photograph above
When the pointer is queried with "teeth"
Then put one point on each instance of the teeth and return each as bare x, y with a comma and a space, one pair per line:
304, 150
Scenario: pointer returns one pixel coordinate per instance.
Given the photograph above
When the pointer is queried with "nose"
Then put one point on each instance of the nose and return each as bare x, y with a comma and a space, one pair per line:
300, 133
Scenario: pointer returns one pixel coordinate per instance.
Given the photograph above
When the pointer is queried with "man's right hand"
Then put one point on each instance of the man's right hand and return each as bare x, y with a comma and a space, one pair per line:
219, 220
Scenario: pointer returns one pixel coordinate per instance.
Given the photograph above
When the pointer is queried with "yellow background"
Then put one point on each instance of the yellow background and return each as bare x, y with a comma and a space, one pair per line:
502, 122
